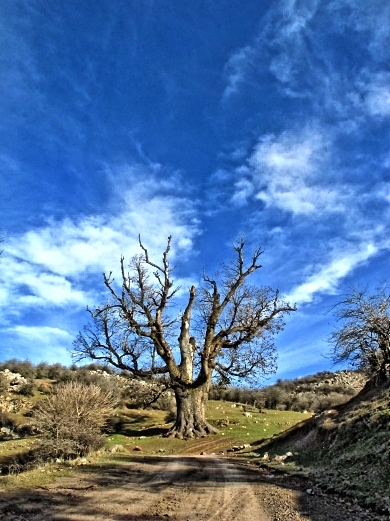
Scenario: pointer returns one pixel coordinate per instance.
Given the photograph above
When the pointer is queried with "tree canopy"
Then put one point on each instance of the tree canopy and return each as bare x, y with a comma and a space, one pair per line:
363, 335
225, 329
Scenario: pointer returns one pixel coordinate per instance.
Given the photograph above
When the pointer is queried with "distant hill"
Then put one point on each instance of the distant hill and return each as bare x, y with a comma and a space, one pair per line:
347, 448
314, 393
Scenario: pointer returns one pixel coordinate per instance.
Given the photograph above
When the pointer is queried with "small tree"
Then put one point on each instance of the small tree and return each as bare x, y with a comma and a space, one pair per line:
363, 338
230, 334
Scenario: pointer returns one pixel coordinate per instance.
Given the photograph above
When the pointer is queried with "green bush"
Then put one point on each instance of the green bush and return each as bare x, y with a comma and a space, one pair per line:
27, 389
23, 367
42, 370
56, 371
6, 421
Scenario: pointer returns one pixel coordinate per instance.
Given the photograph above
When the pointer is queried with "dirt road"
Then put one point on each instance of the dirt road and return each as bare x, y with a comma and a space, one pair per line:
177, 488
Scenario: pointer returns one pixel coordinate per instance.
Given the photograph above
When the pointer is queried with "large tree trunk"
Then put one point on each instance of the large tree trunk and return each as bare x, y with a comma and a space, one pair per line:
190, 414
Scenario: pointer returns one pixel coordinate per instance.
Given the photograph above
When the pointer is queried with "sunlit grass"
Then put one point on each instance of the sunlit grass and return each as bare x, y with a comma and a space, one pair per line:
141, 433
145, 429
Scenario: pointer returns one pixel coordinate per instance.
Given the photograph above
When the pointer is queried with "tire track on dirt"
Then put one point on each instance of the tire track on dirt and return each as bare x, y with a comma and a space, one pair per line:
221, 492
176, 488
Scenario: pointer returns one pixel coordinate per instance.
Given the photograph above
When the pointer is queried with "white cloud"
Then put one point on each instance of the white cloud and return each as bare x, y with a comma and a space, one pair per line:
40, 334
48, 344
288, 153
326, 278
290, 171
58, 264
236, 69
243, 190
368, 95
290, 22
371, 19
383, 191
378, 101
306, 68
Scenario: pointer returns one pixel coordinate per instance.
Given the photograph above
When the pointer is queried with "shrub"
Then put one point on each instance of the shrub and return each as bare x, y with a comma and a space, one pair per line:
6, 421
27, 389
87, 377
273, 397
4, 383
56, 371
139, 394
72, 418
166, 402
27, 429
300, 404
45, 388
23, 367
42, 370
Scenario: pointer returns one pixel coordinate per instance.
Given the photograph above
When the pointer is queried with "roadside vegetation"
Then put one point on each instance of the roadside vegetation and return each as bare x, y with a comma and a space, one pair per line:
314, 393
333, 426
345, 449
64, 413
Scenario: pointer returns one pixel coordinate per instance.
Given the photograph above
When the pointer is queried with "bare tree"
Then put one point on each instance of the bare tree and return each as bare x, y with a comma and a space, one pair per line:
225, 329
363, 338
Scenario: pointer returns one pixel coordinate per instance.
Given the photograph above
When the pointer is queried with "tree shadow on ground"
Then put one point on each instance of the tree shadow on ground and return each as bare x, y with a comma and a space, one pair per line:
111, 491
151, 431
133, 426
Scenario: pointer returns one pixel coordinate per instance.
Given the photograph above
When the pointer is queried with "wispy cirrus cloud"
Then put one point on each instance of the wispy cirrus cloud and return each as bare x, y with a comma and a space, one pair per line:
292, 46
295, 173
369, 19
298, 173
236, 70
316, 181
46, 343
289, 25
352, 88
326, 278
374, 93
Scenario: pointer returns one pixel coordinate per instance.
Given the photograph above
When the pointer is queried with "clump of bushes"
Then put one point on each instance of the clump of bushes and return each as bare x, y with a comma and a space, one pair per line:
27, 389
23, 367
314, 393
6, 421
71, 420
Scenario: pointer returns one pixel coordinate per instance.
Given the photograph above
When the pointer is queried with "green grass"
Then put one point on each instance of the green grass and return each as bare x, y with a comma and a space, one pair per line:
144, 429
346, 450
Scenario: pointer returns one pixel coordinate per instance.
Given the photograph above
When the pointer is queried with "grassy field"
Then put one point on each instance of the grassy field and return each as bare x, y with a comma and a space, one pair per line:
141, 433
144, 429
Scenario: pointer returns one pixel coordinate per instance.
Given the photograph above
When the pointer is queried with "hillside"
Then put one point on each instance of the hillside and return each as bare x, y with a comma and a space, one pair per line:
346, 449
314, 393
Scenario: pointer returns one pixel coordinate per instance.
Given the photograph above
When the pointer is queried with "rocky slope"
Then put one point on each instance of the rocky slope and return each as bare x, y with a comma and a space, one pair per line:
346, 449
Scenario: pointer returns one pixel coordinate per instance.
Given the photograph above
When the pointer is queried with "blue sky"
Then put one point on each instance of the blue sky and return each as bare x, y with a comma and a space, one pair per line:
203, 120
